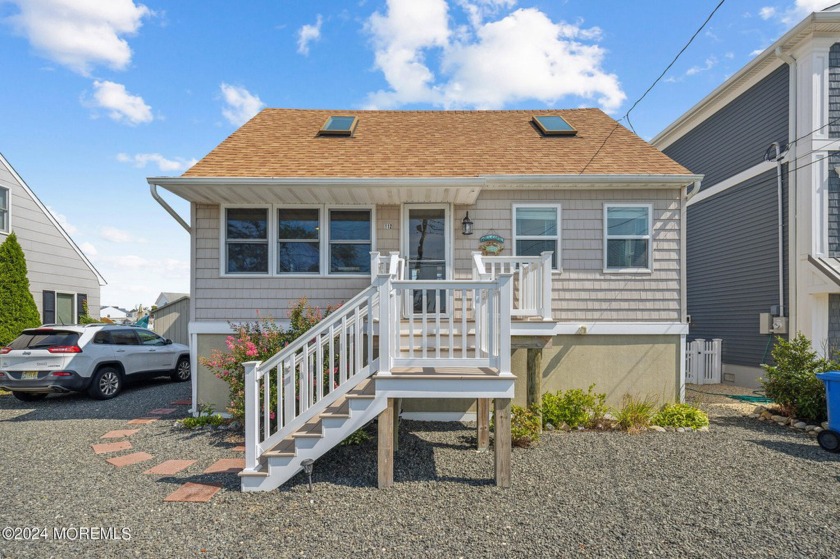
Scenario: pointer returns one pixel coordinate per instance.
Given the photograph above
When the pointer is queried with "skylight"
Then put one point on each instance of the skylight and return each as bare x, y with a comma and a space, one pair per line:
339, 126
552, 125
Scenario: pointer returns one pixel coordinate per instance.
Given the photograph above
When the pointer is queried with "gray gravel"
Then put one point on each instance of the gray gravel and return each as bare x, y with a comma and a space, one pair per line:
745, 489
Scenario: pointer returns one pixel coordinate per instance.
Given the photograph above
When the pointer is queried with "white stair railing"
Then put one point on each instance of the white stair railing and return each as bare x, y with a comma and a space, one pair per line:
531, 284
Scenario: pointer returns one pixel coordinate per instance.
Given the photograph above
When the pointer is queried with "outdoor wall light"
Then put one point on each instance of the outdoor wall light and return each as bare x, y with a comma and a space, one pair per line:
467, 225
307, 468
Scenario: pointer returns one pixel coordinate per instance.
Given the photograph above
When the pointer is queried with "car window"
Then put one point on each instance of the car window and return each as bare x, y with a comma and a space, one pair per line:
124, 337
102, 337
43, 339
150, 338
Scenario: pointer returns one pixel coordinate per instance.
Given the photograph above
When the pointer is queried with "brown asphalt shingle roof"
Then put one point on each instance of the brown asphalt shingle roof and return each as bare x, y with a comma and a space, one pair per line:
285, 143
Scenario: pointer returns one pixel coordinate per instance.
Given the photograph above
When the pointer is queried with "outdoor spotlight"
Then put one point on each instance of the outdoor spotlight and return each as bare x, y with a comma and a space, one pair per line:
467, 225
307, 467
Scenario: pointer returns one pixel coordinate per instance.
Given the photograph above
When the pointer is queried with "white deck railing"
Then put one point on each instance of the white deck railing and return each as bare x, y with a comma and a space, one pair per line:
531, 280
289, 389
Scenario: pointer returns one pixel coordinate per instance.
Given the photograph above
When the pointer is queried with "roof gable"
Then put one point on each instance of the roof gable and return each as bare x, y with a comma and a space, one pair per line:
387, 144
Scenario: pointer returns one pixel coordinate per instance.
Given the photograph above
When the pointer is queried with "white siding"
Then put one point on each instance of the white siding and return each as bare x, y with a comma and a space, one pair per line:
52, 262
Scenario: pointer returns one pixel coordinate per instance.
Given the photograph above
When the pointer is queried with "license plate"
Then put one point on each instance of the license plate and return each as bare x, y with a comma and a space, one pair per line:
29, 375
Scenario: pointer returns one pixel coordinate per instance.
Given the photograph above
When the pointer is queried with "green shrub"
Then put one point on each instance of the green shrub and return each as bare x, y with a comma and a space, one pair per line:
17, 307
357, 437
635, 413
680, 415
792, 383
85, 317
205, 417
258, 341
573, 407
524, 426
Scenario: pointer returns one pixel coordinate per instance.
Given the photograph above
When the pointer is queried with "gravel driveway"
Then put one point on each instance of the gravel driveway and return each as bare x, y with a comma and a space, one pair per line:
745, 489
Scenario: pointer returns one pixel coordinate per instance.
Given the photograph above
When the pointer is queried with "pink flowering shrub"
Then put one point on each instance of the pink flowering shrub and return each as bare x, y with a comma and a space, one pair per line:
257, 341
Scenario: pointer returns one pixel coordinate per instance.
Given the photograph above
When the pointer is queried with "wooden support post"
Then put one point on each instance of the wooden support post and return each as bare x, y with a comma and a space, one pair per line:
534, 377
385, 446
397, 409
483, 421
502, 442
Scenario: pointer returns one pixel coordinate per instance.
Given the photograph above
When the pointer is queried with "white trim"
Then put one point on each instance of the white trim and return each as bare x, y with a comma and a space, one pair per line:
447, 216
219, 327
558, 238
681, 357
443, 416
733, 181
7, 209
598, 328
52, 219
194, 372
648, 238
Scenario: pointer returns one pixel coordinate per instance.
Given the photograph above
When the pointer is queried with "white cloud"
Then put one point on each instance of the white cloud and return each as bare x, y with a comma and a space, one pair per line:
89, 250
115, 235
121, 105
521, 56
767, 12
710, 63
80, 34
307, 34
141, 160
62, 220
240, 103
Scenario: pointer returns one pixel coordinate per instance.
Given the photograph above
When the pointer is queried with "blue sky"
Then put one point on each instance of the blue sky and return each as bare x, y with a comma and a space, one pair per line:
97, 95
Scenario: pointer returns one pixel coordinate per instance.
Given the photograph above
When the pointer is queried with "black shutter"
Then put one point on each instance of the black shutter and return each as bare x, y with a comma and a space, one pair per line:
49, 307
81, 303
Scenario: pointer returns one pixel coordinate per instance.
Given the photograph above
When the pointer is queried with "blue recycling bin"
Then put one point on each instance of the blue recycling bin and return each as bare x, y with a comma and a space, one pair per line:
829, 439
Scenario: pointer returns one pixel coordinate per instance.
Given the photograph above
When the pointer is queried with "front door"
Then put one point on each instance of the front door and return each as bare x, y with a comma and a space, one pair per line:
64, 303
426, 246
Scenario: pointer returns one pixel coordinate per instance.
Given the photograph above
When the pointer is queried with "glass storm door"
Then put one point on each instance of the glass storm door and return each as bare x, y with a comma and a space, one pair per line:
427, 237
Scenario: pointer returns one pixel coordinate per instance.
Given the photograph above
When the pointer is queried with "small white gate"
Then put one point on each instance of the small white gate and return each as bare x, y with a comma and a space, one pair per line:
702, 361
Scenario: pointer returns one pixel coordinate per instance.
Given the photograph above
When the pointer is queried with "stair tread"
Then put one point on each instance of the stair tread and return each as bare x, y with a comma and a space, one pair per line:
443, 372
341, 408
286, 447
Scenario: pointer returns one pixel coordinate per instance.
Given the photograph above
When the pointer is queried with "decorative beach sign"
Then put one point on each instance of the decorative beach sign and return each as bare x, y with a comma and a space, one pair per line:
491, 244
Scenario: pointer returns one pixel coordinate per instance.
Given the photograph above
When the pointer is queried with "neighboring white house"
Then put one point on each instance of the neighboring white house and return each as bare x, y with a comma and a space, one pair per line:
116, 314
768, 142
61, 278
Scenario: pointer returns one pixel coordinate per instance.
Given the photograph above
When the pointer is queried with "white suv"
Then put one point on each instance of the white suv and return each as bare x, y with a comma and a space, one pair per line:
97, 358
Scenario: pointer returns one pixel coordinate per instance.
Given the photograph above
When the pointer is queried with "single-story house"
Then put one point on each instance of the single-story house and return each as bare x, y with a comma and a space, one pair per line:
61, 278
542, 249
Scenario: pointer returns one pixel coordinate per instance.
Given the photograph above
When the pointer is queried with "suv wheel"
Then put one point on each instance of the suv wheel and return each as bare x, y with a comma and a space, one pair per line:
182, 370
29, 396
106, 384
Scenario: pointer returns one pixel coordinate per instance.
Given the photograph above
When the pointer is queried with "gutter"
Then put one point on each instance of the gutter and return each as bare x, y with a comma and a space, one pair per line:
169, 209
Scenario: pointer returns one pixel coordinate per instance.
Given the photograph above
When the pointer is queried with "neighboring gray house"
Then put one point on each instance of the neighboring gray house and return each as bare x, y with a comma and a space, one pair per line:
172, 320
61, 277
167, 297
766, 140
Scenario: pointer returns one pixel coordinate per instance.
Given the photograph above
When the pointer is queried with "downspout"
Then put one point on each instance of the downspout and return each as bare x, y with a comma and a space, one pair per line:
793, 205
777, 157
168, 208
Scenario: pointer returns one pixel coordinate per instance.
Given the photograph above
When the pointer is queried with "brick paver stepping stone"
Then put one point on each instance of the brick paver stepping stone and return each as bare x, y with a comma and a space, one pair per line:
239, 448
193, 493
170, 467
226, 466
162, 411
186, 402
129, 459
119, 433
102, 448
142, 420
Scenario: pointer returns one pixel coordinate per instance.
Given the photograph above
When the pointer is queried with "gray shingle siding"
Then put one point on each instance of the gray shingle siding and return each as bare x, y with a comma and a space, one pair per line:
732, 271
834, 91
736, 137
834, 322
833, 206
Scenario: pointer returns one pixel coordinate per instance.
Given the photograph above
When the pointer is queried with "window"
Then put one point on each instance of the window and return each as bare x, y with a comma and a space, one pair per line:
350, 241
102, 337
553, 125
246, 240
339, 126
5, 226
627, 237
150, 338
124, 337
299, 241
536, 228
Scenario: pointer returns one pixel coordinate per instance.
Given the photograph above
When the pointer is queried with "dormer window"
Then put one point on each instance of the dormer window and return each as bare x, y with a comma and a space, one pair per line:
553, 125
339, 126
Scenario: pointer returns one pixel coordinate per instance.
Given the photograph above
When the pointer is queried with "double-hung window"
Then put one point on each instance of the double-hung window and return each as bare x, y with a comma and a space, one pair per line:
350, 241
299, 241
5, 226
627, 237
246, 240
536, 228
